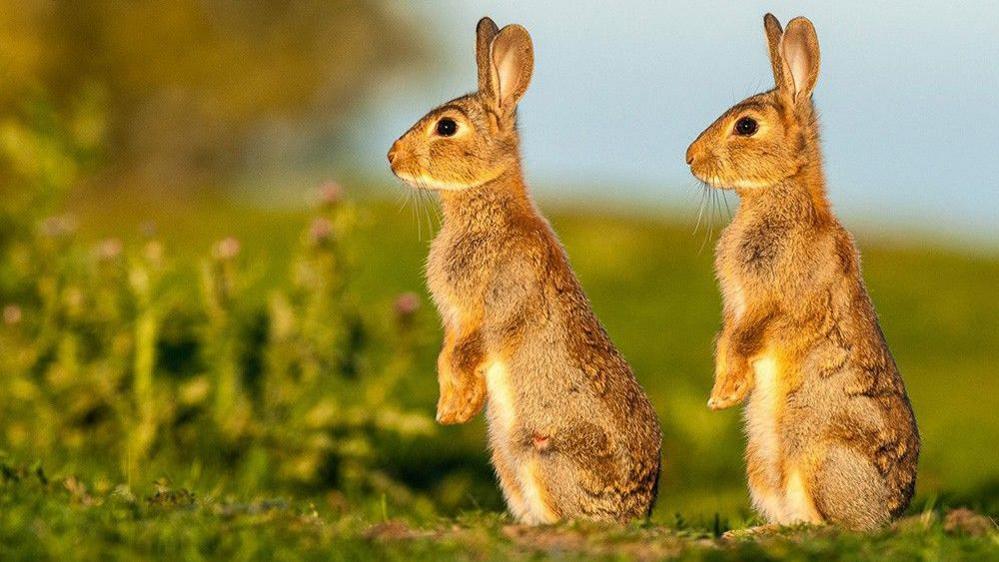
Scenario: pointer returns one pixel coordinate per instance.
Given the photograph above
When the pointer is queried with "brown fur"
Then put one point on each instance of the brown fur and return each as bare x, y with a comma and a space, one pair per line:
832, 436
572, 433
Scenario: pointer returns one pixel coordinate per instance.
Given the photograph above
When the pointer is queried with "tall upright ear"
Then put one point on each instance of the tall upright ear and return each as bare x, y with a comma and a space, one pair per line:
485, 31
511, 59
782, 75
800, 50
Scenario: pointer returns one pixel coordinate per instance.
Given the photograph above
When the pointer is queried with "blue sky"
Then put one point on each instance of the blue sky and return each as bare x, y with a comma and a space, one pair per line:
908, 94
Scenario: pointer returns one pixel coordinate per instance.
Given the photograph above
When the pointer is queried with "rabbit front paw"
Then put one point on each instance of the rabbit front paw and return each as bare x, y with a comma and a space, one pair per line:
458, 404
451, 409
728, 391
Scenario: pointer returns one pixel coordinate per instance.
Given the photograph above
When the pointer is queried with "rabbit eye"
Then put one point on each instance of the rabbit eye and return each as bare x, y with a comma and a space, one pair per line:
446, 127
746, 127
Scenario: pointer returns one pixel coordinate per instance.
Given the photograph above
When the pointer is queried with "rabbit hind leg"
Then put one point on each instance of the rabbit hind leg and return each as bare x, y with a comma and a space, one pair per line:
525, 487
799, 507
537, 494
509, 482
848, 490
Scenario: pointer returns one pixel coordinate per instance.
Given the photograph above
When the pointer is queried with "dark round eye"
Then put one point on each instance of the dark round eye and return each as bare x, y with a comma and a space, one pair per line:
446, 127
746, 126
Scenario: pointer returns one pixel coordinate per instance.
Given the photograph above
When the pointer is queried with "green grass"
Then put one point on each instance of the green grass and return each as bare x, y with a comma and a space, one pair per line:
652, 286
41, 519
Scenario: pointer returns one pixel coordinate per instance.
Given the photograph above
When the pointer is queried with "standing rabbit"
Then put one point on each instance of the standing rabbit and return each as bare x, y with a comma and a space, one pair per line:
571, 431
832, 437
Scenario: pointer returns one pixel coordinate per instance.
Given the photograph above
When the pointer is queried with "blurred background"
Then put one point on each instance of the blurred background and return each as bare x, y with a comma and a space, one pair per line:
209, 278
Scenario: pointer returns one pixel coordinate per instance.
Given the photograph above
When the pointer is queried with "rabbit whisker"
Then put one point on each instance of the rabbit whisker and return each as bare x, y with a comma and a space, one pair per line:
416, 215
727, 208
433, 204
715, 210
405, 196
700, 208
424, 197
421, 195
705, 216
408, 198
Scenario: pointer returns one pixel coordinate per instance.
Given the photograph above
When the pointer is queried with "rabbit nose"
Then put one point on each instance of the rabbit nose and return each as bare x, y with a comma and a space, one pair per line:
690, 155
393, 152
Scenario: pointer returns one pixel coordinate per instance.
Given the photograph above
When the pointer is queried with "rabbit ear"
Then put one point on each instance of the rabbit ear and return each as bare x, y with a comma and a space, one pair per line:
485, 31
800, 51
782, 74
511, 63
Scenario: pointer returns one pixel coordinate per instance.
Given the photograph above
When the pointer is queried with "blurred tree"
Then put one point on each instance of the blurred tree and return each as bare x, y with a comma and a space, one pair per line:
187, 85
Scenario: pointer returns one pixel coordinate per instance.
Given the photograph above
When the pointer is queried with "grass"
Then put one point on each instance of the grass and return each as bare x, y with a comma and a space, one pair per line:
42, 519
653, 288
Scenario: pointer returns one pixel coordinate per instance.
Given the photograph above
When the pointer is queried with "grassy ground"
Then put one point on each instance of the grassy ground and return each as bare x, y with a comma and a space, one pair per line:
67, 521
652, 286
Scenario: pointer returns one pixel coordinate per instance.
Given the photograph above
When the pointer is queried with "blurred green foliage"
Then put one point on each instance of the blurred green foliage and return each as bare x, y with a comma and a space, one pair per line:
186, 89
113, 365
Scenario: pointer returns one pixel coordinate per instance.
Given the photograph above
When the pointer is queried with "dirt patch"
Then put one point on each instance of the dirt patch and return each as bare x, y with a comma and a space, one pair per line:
645, 544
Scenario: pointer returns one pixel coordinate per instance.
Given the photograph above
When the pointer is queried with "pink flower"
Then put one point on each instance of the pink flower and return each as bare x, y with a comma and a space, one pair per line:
406, 305
330, 194
226, 249
109, 249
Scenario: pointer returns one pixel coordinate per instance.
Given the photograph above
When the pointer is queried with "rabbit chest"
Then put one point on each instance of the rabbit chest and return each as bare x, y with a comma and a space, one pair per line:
457, 270
728, 268
754, 260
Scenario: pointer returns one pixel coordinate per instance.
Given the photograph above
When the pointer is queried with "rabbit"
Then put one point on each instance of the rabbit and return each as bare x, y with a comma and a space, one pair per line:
831, 433
572, 433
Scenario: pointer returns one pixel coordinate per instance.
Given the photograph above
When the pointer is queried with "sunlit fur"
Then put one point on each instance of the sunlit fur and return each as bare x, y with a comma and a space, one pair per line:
831, 434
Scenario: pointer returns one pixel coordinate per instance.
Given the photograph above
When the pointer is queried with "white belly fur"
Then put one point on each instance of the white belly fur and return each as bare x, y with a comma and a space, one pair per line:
502, 415
788, 501
738, 301
798, 506
501, 412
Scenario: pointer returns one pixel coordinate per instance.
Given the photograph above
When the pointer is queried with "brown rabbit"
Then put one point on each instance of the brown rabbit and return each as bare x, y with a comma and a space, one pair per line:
832, 437
571, 431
